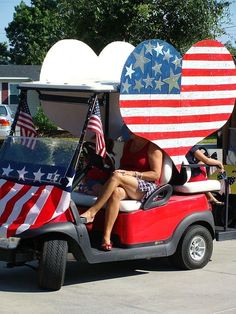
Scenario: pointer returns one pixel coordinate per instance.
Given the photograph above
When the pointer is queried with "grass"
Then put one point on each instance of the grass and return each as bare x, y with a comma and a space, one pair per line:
212, 139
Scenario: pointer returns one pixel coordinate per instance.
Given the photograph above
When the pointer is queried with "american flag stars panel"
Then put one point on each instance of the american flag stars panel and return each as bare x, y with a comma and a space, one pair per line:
154, 67
34, 174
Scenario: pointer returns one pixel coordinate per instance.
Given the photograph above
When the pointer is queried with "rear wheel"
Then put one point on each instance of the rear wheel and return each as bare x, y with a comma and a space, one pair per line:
194, 249
52, 264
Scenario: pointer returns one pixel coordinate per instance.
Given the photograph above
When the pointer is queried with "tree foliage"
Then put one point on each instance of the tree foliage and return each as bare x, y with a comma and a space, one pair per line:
232, 49
179, 22
36, 28
4, 54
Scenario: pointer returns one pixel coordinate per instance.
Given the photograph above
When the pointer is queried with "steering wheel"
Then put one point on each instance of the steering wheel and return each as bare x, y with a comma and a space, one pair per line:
89, 153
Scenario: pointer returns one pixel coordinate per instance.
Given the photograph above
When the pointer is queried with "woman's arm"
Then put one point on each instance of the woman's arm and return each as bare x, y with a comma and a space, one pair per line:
155, 158
207, 160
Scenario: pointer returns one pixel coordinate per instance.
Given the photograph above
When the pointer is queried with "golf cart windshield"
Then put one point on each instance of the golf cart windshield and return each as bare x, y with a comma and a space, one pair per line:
36, 160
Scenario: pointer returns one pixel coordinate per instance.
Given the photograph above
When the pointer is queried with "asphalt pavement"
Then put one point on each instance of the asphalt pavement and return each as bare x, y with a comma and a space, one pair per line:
150, 286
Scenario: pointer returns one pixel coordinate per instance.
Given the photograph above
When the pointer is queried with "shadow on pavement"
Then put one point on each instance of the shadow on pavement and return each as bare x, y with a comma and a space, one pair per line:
24, 279
81, 273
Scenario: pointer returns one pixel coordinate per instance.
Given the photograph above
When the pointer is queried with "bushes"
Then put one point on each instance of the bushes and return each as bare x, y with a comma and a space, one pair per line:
42, 123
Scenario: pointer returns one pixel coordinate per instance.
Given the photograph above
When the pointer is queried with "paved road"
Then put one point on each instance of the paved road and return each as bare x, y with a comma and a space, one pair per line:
127, 287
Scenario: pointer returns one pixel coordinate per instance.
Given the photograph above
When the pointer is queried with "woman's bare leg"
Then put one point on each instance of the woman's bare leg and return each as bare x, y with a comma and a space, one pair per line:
112, 211
128, 183
212, 199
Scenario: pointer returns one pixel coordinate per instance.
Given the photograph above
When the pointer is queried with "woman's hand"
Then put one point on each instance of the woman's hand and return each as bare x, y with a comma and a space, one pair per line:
221, 167
125, 172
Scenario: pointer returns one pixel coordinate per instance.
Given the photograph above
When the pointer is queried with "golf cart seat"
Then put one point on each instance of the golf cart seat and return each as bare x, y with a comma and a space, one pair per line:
195, 187
158, 198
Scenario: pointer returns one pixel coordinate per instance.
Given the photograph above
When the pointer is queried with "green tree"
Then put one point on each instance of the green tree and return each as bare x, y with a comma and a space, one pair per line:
100, 22
4, 54
232, 49
179, 22
36, 28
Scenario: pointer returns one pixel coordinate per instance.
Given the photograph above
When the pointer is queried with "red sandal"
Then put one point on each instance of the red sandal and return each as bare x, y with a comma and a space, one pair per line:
106, 247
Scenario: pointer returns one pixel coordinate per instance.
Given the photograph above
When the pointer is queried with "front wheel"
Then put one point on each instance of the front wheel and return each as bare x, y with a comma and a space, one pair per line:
194, 249
52, 264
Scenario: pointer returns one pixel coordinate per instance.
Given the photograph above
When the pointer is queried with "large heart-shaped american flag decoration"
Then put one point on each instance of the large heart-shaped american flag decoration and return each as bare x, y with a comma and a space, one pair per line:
175, 102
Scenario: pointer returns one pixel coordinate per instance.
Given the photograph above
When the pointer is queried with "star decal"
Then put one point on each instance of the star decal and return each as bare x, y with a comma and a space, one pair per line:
157, 68
126, 86
129, 71
140, 60
138, 85
148, 81
177, 62
70, 181
159, 84
158, 49
7, 170
167, 55
22, 174
38, 175
149, 47
172, 80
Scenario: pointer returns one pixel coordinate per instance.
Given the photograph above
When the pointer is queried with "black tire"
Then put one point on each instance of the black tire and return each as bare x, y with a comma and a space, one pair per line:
52, 264
194, 249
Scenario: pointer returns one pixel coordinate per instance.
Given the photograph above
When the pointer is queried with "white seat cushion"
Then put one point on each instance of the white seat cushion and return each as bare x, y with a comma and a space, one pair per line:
166, 172
128, 206
88, 200
198, 187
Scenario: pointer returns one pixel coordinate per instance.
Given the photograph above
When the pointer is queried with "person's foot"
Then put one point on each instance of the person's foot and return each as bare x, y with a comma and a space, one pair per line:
106, 247
87, 217
214, 201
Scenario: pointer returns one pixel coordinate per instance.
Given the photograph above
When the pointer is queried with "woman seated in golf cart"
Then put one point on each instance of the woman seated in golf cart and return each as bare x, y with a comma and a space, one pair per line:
196, 156
137, 178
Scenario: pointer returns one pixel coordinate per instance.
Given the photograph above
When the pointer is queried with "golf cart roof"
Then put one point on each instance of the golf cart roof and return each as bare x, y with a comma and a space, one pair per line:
71, 73
71, 65
99, 87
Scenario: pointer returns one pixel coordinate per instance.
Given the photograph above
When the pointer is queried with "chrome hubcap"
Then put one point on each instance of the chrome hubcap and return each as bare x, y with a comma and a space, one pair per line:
197, 248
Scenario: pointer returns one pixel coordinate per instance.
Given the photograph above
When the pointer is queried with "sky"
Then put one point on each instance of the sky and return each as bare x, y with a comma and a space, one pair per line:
7, 8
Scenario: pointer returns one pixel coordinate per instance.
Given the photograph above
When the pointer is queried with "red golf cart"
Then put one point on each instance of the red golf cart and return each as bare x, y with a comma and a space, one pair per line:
41, 203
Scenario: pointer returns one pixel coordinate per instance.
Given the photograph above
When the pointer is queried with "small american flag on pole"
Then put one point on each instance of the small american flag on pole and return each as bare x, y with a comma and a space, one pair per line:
25, 122
95, 125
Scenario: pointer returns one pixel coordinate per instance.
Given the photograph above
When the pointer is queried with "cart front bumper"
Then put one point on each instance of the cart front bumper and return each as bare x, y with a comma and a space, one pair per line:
9, 243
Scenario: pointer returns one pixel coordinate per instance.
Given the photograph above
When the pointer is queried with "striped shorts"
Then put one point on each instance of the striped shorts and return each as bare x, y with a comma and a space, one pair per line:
146, 186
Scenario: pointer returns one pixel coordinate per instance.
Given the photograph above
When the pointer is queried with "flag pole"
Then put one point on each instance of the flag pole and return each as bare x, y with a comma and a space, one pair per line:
92, 102
21, 98
13, 126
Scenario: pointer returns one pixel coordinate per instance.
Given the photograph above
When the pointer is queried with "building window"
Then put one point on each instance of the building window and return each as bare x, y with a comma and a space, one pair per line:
13, 94
4, 99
